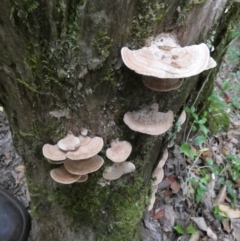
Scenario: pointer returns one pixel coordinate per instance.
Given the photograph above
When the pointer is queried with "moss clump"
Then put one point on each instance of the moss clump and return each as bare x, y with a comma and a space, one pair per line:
217, 118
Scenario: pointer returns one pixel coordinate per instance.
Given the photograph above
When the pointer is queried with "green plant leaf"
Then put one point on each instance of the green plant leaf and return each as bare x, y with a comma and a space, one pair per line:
187, 151
179, 228
225, 85
199, 140
190, 229
204, 129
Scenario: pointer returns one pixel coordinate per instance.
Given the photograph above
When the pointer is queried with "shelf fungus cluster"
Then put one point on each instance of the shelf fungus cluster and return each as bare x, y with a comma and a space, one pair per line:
78, 156
118, 153
158, 175
149, 120
163, 63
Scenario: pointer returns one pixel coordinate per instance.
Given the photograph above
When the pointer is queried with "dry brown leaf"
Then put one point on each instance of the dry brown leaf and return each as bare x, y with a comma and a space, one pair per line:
231, 213
226, 225
221, 196
211, 234
175, 186
235, 224
159, 214
200, 222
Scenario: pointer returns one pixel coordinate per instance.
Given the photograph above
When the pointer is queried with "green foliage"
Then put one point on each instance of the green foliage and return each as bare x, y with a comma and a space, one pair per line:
187, 151
200, 186
180, 230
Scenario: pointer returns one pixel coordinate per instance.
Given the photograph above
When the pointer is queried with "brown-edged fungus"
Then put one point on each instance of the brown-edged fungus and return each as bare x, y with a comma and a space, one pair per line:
69, 142
117, 170
158, 174
89, 147
163, 160
165, 59
119, 151
85, 166
53, 153
83, 178
161, 85
149, 120
182, 117
61, 175
152, 201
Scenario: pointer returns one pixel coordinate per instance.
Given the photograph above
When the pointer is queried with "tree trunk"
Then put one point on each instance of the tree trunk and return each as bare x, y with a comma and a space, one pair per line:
64, 56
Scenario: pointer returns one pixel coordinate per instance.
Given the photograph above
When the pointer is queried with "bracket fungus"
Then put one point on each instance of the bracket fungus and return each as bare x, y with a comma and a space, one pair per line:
149, 120
61, 175
53, 153
119, 151
89, 147
164, 58
117, 170
69, 142
162, 85
82, 152
82, 167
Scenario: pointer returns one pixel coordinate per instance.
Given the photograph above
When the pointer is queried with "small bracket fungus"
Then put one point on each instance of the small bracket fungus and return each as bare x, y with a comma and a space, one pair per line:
89, 147
163, 160
84, 131
61, 175
182, 117
158, 174
162, 85
164, 58
53, 153
117, 170
119, 151
85, 166
69, 143
149, 120
83, 178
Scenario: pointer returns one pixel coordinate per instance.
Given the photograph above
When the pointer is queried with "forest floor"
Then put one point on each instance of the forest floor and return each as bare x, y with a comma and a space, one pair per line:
199, 197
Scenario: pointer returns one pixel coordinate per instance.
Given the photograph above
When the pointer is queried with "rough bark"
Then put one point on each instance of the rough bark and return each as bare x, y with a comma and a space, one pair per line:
65, 56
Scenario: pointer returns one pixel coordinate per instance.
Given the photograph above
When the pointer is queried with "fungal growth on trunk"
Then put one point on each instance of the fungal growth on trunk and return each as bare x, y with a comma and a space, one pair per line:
161, 85
158, 175
117, 170
119, 151
149, 120
164, 60
78, 156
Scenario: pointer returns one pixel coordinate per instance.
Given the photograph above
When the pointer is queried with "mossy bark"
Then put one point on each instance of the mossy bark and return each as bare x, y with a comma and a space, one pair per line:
64, 56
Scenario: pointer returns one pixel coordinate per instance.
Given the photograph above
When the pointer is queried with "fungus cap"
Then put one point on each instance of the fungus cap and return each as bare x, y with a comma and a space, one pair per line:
119, 151
69, 142
161, 85
117, 170
170, 62
89, 147
182, 117
148, 120
85, 166
84, 131
163, 160
152, 201
53, 153
83, 178
61, 175
158, 174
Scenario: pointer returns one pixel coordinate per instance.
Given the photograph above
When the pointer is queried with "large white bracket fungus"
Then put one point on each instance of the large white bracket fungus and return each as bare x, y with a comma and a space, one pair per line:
149, 120
169, 61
